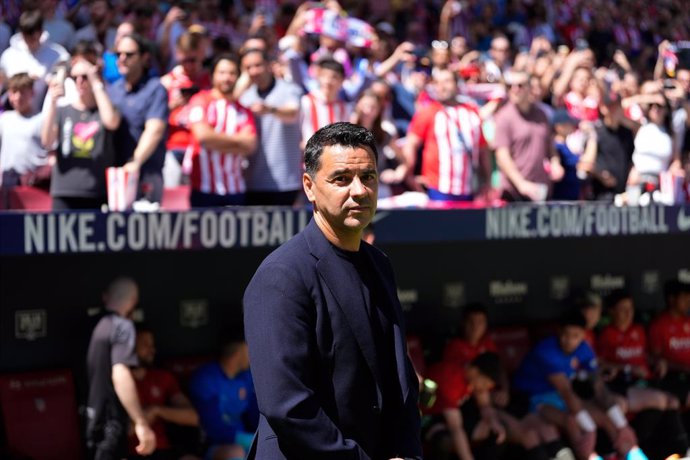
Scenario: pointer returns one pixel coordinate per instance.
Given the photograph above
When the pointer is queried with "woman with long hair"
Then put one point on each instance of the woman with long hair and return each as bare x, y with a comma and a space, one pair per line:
654, 152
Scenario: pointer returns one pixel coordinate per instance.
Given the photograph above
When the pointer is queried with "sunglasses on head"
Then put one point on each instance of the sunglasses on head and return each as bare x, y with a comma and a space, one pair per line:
439, 45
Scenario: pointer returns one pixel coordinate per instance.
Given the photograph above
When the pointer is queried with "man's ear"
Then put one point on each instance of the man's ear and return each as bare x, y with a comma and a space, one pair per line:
308, 183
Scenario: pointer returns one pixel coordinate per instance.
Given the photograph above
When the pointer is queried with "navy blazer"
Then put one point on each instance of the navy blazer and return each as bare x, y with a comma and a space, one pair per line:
313, 357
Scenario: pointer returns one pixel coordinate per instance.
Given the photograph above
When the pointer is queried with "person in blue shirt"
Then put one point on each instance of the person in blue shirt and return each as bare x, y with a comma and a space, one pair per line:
143, 103
223, 394
560, 379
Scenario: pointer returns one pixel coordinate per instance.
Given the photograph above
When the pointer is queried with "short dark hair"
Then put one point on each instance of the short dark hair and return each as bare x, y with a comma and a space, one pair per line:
341, 133
574, 318
616, 296
489, 365
331, 64
142, 44
248, 51
30, 21
20, 81
474, 308
232, 57
582, 299
673, 287
231, 344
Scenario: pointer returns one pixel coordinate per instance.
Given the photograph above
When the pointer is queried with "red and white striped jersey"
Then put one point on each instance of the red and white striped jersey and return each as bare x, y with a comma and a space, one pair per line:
317, 113
453, 140
213, 171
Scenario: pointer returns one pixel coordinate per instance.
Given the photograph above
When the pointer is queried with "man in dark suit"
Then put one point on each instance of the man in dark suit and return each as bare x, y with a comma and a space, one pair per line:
324, 324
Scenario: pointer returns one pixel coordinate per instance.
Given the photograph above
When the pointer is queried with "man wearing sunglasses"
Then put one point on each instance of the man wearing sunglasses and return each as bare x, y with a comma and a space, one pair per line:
143, 103
525, 151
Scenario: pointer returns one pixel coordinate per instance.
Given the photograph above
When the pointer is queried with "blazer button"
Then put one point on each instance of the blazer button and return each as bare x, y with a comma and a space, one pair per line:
376, 410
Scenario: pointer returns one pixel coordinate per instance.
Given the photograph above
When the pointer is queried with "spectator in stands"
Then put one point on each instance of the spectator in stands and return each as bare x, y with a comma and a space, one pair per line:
161, 398
324, 106
669, 341
654, 151
545, 377
113, 398
22, 157
5, 34
392, 165
59, 30
615, 146
590, 305
110, 71
99, 29
143, 103
225, 135
274, 176
498, 62
523, 144
622, 352
453, 143
186, 79
82, 134
463, 412
564, 124
31, 51
223, 394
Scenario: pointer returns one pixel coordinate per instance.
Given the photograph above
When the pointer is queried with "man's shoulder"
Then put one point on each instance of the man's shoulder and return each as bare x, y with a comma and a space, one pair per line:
293, 252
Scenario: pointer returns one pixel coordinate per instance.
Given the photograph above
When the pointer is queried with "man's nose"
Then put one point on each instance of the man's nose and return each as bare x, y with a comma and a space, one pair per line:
357, 188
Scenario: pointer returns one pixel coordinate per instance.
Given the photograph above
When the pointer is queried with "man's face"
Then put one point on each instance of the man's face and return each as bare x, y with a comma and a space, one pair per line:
344, 189
330, 82
243, 357
623, 313
475, 327
500, 50
20, 99
190, 60
445, 86
255, 66
571, 337
130, 61
518, 89
146, 348
680, 303
592, 315
225, 76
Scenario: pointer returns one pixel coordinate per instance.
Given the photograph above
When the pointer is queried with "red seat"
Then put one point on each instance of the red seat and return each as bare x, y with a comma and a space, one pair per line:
513, 343
40, 416
176, 198
30, 199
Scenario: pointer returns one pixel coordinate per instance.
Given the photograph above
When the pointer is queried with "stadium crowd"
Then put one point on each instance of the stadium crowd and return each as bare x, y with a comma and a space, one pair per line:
471, 101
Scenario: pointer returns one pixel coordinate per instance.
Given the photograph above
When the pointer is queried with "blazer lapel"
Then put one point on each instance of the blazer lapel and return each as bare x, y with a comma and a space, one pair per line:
398, 335
342, 280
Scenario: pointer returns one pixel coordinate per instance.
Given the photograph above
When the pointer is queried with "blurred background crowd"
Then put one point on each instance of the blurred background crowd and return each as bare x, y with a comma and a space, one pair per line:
473, 103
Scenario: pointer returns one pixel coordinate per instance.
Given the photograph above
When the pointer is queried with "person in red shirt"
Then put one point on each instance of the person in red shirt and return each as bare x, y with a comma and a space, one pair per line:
463, 412
669, 341
187, 78
224, 134
474, 339
622, 350
160, 396
454, 144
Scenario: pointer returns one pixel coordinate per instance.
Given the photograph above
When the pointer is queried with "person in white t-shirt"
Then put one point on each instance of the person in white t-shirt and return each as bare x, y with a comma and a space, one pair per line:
654, 152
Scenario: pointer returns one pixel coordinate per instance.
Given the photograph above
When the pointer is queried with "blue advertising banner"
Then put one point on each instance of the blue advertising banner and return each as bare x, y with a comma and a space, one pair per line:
218, 229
